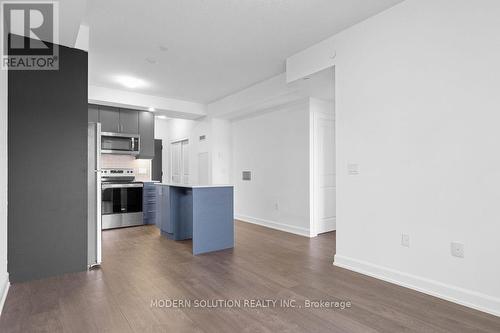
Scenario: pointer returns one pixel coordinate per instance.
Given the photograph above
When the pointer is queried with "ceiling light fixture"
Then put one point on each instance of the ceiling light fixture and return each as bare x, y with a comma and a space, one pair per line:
130, 81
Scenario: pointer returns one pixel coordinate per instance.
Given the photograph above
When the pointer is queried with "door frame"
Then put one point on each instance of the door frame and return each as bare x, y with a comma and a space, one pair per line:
314, 176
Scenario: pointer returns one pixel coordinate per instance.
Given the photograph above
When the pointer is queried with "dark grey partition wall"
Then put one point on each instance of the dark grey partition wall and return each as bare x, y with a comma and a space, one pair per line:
47, 161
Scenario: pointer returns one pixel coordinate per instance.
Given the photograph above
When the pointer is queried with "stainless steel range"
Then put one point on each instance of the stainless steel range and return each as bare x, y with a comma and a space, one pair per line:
121, 204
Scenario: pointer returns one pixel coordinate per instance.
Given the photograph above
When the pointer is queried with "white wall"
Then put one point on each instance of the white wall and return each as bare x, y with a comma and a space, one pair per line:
275, 147
4, 277
221, 151
418, 110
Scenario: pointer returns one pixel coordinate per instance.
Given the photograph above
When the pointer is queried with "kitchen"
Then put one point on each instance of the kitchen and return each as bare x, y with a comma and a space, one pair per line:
123, 192
110, 165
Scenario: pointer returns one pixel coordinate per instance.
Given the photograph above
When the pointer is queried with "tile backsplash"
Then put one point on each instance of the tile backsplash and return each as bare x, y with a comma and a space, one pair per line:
142, 168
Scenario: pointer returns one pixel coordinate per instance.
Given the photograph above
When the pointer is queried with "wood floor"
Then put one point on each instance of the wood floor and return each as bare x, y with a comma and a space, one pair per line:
141, 266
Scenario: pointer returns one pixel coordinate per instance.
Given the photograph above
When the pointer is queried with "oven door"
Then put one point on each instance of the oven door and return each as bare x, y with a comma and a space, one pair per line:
121, 205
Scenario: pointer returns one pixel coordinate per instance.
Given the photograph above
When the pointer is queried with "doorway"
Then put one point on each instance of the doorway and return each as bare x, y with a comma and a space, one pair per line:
323, 162
324, 173
179, 157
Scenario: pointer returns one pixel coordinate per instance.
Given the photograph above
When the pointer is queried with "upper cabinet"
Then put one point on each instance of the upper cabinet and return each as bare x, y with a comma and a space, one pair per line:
129, 121
118, 120
147, 132
109, 117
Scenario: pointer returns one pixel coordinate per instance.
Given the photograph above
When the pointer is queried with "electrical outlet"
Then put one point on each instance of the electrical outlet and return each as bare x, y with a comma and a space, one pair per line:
352, 169
405, 240
457, 249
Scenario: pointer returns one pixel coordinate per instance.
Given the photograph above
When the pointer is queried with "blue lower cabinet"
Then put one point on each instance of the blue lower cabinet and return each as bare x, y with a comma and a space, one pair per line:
163, 220
203, 214
149, 203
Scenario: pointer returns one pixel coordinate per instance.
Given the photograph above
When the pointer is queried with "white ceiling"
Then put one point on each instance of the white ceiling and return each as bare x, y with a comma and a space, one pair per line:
215, 47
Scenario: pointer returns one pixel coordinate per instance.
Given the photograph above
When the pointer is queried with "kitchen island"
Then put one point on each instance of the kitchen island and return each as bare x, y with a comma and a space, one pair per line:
203, 213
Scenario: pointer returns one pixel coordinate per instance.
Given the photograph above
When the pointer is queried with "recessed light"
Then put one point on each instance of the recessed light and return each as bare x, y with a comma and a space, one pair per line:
130, 81
152, 109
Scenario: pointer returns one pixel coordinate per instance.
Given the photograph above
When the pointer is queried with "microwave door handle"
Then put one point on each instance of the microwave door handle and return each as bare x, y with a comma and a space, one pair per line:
133, 144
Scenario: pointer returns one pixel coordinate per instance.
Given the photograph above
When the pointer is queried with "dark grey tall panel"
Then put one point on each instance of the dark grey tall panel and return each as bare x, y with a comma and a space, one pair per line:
156, 163
47, 162
147, 132
109, 117
93, 113
129, 121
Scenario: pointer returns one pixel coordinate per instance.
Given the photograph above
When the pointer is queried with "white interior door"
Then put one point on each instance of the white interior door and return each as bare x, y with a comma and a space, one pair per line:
325, 174
175, 159
179, 162
185, 162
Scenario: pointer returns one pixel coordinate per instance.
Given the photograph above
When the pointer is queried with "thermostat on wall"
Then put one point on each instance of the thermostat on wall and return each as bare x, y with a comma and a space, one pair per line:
247, 175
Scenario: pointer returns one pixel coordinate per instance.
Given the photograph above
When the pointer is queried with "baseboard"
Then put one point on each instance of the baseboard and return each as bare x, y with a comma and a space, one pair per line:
465, 297
5, 289
274, 225
331, 226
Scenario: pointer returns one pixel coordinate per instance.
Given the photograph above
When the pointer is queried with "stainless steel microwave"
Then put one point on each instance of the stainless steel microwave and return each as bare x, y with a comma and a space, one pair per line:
120, 143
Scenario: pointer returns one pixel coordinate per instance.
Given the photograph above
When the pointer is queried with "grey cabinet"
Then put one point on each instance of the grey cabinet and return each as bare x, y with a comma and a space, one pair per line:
93, 116
129, 121
163, 220
118, 120
147, 133
109, 117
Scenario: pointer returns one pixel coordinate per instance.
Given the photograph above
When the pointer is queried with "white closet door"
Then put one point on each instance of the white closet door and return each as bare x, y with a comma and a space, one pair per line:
180, 162
176, 165
185, 161
325, 169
